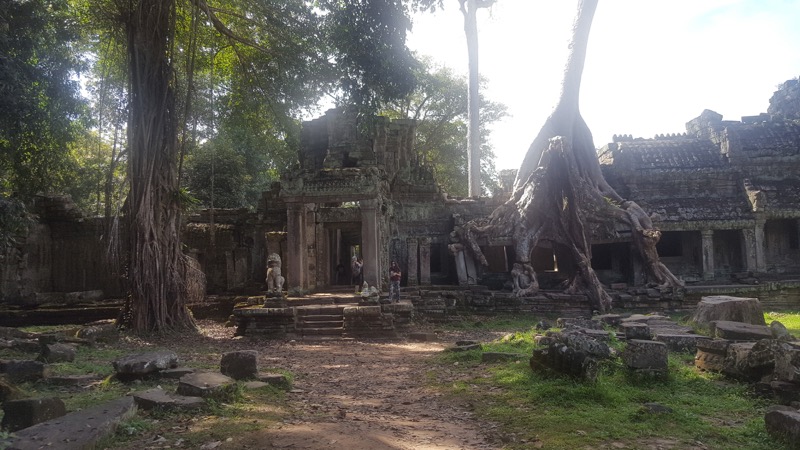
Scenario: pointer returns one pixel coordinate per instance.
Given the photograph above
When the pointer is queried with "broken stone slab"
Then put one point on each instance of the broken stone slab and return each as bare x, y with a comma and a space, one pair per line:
24, 345
643, 318
601, 335
20, 371
567, 322
26, 412
72, 380
102, 332
647, 356
240, 364
732, 309
57, 353
584, 343
681, 342
255, 385
612, 320
176, 373
141, 364
636, 330
277, 380
784, 425
207, 385
740, 331
158, 398
493, 357
77, 430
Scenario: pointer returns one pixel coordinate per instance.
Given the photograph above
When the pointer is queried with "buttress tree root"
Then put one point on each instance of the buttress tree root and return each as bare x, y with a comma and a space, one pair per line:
561, 196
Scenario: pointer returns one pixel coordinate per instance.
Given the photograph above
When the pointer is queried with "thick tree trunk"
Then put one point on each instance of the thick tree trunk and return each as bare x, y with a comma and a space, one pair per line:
561, 196
157, 267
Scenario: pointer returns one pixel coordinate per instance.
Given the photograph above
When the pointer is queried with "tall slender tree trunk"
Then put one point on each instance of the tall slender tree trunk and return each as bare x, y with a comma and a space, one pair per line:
157, 267
469, 9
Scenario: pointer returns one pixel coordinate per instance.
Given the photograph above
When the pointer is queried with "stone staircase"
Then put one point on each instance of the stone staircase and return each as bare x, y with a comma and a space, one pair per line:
320, 321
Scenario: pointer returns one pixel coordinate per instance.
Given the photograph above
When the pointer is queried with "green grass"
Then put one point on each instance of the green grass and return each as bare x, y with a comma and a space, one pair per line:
789, 319
562, 413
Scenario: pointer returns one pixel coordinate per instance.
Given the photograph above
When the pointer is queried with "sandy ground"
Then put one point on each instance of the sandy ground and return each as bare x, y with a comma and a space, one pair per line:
366, 395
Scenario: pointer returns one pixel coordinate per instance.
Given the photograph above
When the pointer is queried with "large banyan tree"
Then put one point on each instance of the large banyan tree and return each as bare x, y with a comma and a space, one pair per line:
561, 196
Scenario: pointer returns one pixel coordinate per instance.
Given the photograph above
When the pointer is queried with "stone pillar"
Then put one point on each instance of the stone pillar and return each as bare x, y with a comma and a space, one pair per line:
370, 240
760, 246
425, 261
413, 268
707, 245
461, 266
295, 265
749, 236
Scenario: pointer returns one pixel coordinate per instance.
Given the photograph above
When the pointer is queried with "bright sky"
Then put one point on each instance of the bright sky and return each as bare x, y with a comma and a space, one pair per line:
651, 65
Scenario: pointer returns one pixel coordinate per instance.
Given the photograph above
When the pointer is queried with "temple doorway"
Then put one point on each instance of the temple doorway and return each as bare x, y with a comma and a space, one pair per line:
345, 242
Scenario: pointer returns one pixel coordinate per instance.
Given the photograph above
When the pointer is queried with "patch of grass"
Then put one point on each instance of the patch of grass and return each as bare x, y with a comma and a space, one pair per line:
789, 319
499, 322
564, 413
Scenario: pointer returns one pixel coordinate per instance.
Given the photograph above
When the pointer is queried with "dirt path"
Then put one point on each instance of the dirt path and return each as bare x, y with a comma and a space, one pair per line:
366, 395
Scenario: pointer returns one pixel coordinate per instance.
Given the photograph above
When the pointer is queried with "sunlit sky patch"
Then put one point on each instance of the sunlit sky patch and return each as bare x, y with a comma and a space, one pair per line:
652, 64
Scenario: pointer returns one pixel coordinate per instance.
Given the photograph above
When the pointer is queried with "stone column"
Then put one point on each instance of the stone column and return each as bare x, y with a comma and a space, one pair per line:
760, 246
425, 261
370, 240
296, 261
749, 236
461, 266
707, 245
413, 268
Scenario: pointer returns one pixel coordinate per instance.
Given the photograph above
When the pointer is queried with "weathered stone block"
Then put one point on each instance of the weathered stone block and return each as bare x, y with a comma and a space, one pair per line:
277, 380
8, 391
57, 353
740, 331
784, 425
24, 345
142, 364
732, 309
26, 412
636, 330
20, 371
77, 430
107, 332
779, 331
240, 364
787, 364
646, 355
681, 342
207, 384
158, 398
361, 311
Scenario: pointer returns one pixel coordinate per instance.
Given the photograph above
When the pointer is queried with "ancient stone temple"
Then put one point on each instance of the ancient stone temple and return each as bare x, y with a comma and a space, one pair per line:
726, 193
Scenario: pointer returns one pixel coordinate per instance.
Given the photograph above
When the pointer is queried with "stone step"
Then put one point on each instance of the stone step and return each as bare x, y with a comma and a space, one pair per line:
322, 318
322, 331
322, 324
320, 310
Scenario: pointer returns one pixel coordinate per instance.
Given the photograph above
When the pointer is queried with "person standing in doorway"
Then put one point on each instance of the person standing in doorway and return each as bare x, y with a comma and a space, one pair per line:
394, 282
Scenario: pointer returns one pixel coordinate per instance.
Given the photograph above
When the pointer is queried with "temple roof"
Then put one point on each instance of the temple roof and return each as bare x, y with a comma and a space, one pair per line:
664, 154
767, 139
783, 194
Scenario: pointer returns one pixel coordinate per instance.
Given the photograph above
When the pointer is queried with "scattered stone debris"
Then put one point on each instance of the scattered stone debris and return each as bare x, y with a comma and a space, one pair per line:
26, 412
143, 364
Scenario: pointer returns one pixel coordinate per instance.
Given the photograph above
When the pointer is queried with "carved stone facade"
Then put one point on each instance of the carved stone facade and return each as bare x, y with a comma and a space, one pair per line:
726, 195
